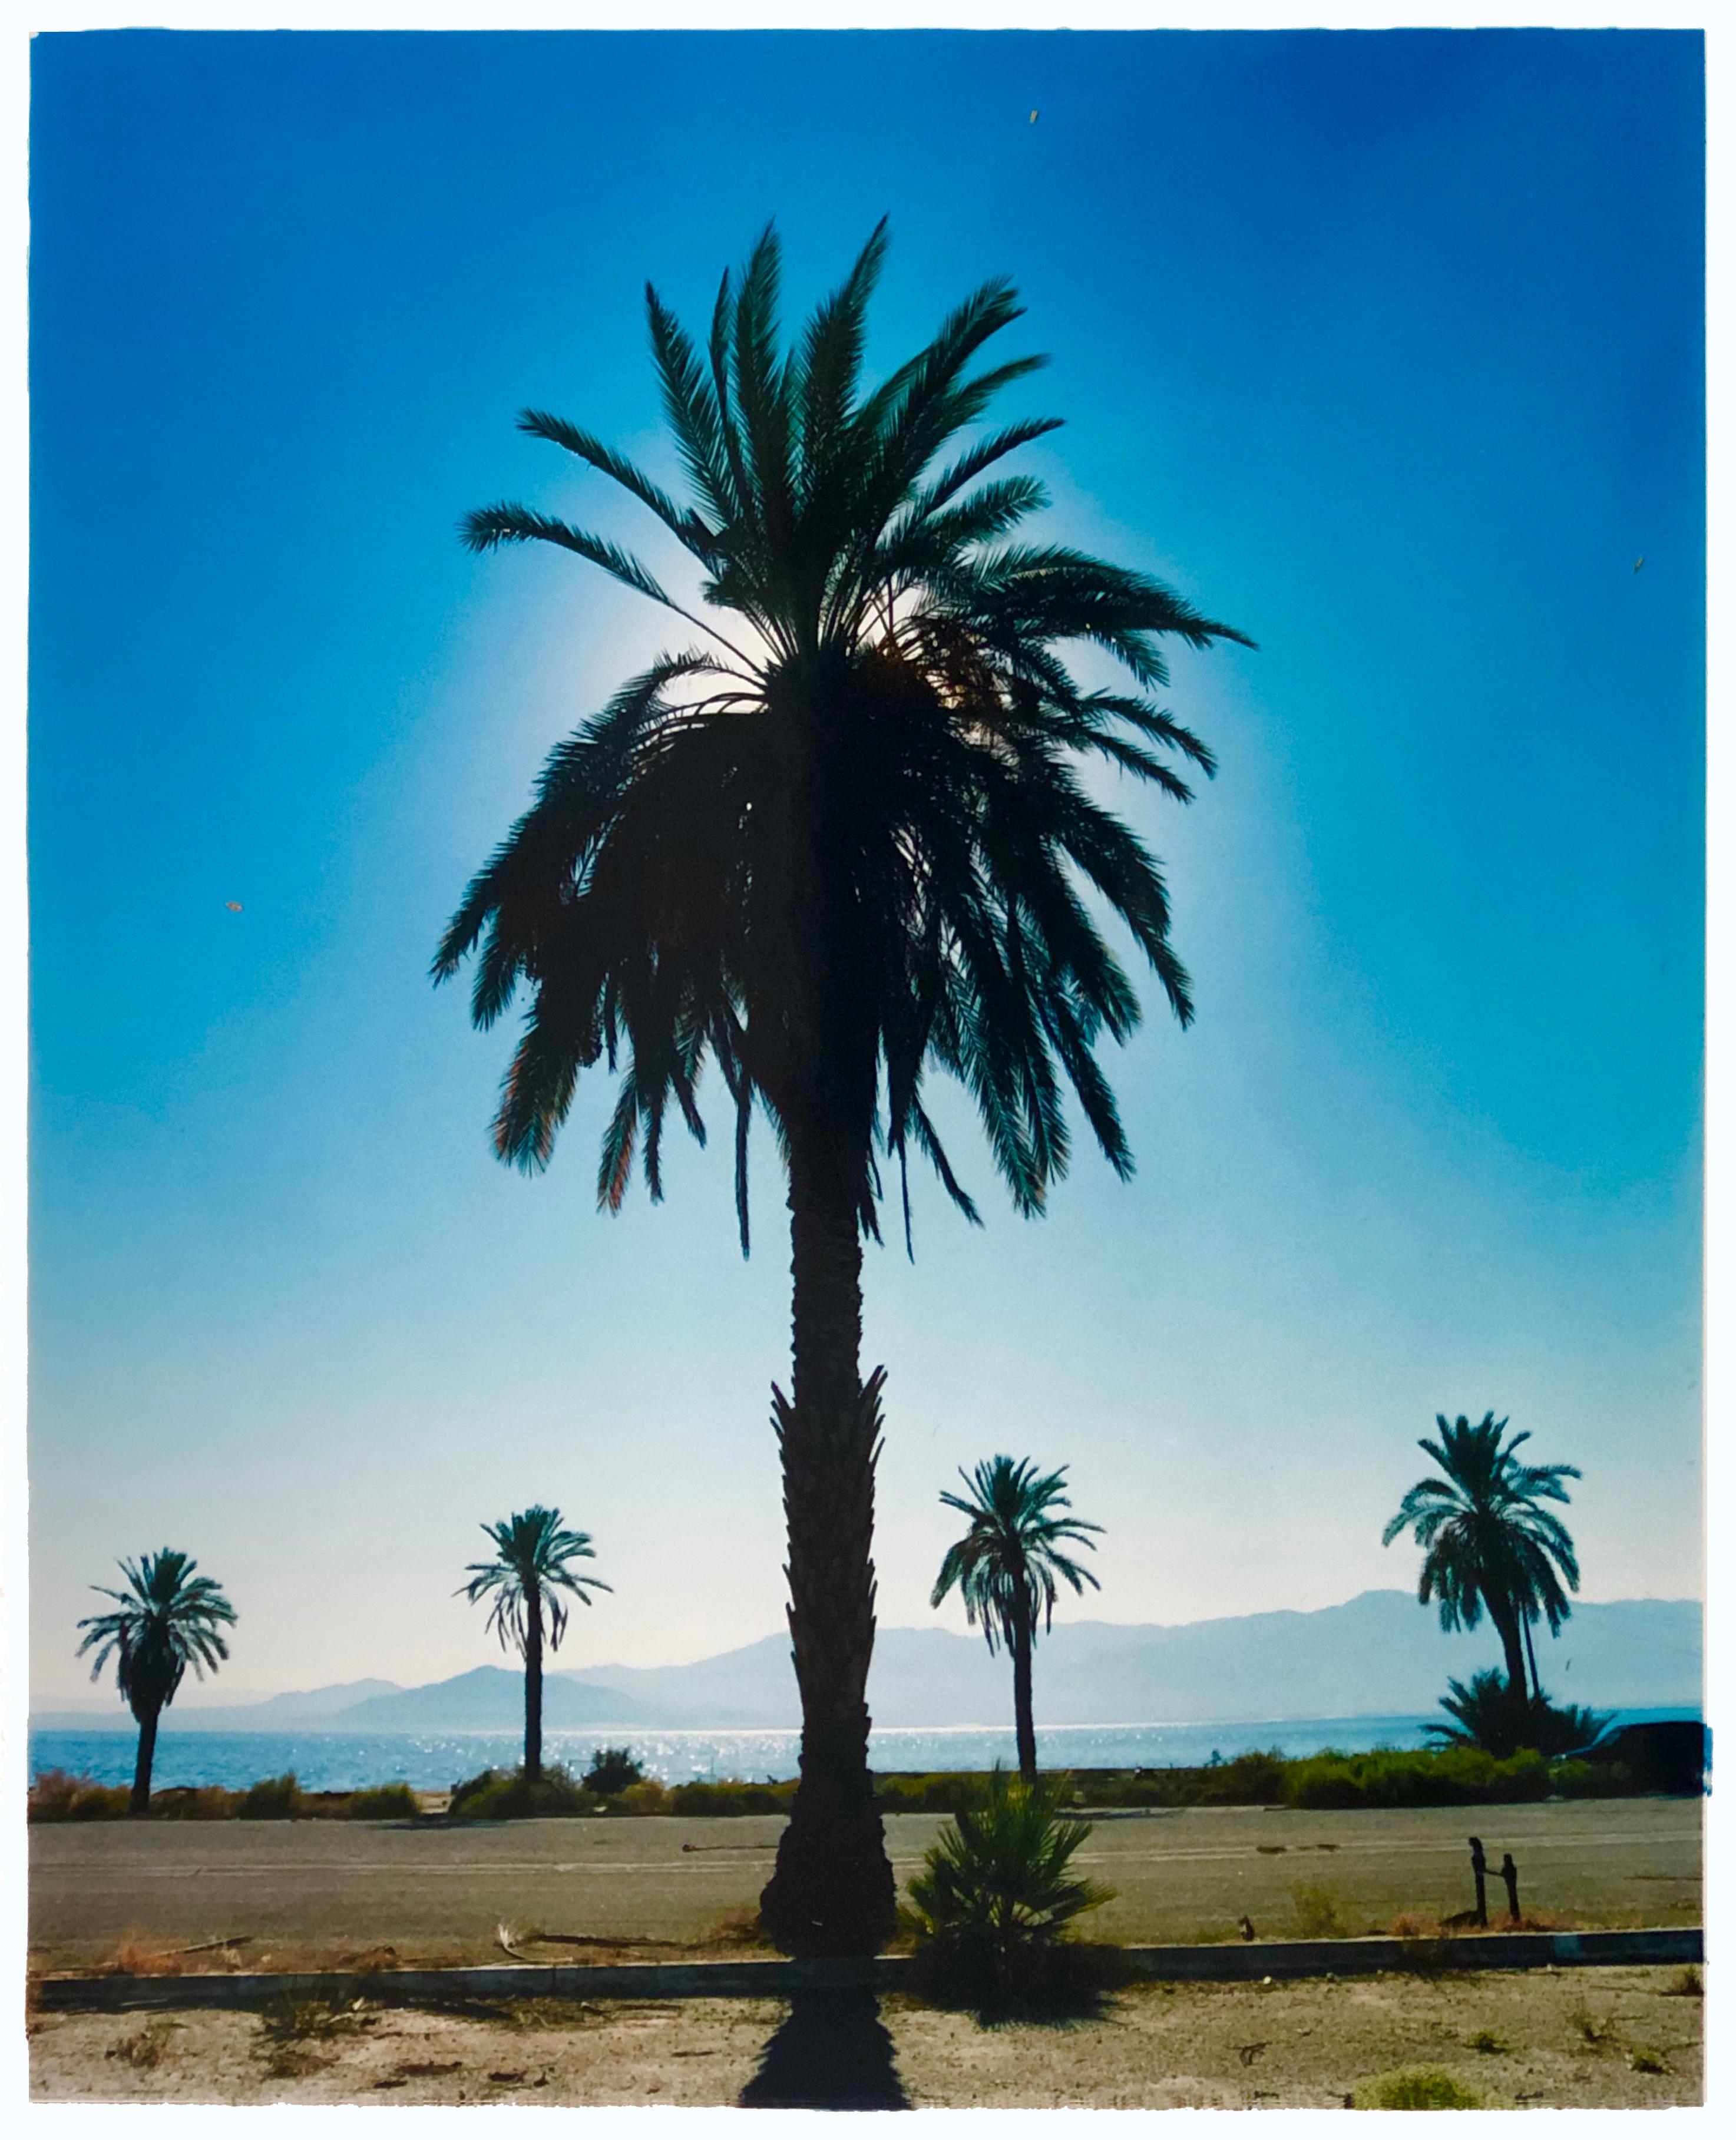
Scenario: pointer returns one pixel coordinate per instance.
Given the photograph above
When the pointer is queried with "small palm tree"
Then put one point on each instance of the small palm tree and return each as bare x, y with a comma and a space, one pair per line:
997, 1890
167, 1618
1005, 1569
530, 1570
1488, 1543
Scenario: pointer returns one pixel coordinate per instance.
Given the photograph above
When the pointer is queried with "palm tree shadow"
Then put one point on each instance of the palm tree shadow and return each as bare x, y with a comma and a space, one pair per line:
833, 2051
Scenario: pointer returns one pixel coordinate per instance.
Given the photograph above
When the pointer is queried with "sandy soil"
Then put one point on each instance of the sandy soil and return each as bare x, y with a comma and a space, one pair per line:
310, 1895
1612, 2038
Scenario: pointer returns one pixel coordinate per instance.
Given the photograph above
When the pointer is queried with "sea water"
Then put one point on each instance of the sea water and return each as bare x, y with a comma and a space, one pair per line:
342, 1761
433, 1761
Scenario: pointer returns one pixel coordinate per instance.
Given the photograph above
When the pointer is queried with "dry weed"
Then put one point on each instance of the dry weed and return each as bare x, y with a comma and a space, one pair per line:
143, 2050
737, 1928
1598, 2032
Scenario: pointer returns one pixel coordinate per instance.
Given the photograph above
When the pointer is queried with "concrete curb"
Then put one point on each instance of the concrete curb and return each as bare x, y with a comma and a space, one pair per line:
780, 1979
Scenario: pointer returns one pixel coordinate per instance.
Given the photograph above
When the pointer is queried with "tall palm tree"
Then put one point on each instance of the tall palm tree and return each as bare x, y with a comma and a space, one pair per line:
167, 1618
1005, 1569
531, 1567
1488, 1543
844, 843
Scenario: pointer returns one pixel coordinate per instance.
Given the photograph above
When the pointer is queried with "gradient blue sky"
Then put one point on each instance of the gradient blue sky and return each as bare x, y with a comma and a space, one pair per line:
1387, 348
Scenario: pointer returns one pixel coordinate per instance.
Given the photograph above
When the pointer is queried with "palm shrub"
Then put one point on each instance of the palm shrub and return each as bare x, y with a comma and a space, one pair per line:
1006, 1565
996, 1894
1490, 1715
166, 1618
1489, 1543
529, 1580
842, 845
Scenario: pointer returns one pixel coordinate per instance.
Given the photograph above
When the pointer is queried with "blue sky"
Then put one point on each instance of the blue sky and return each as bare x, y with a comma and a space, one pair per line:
1386, 348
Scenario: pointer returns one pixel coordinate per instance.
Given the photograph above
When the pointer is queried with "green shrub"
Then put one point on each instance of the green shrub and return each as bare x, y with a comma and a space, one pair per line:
498, 1794
1249, 1779
944, 1791
1458, 1775
1137, 1787
205, 1802
1591, 1779
55, 1795
996, 1895
385, 1802
1316, 1912
646, 1796
613, 1770
275, 1798
1419, 2088
710, 1800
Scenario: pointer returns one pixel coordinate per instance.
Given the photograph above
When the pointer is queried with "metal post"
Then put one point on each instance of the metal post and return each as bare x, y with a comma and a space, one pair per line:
1510, 1874
1479, 1869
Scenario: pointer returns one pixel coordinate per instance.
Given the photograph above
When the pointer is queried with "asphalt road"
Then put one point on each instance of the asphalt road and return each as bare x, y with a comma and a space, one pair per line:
307, 1893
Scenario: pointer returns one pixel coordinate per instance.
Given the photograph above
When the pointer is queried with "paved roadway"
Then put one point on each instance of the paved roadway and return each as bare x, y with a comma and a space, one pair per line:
307, 1893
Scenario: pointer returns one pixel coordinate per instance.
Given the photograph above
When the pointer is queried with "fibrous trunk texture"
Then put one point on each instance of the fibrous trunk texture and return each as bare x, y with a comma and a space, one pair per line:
832, 1890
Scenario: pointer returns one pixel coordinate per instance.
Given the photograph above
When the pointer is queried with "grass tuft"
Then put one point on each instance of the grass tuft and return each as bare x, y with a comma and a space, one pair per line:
386, 1802
1316, 1912
275, 1798
1419, 2088
143, 2050
56, 1795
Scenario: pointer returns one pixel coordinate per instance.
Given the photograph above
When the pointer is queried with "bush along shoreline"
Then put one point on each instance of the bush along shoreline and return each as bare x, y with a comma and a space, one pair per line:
55, 1796
1318, 1783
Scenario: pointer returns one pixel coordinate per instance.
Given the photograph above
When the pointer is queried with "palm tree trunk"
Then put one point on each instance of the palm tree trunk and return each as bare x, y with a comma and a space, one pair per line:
1025, 1730
1507, 1627
832, 1890
140, 1803
1537, 1684
533, 1686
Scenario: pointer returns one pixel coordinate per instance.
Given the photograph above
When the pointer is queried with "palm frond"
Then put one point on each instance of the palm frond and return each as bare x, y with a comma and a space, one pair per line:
898, 751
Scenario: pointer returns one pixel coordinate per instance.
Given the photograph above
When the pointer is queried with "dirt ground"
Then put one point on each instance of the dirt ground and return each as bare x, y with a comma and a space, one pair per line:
1614, 2038
312, 1895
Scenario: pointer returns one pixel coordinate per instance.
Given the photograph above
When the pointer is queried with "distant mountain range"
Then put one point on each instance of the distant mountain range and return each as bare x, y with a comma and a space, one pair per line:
1379, 1655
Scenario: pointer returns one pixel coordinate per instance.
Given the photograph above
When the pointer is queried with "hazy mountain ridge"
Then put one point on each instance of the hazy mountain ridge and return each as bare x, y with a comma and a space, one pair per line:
1379, 1654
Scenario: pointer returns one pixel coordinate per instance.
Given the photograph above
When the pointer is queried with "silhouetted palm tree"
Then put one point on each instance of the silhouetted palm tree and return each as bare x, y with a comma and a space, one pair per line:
1005, 1567
1487, 1543
846, 843
168, 1618
530, 1570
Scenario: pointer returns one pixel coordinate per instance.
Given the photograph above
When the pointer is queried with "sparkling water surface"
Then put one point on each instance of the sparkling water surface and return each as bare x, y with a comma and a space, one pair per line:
433, 1761
339, 1761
